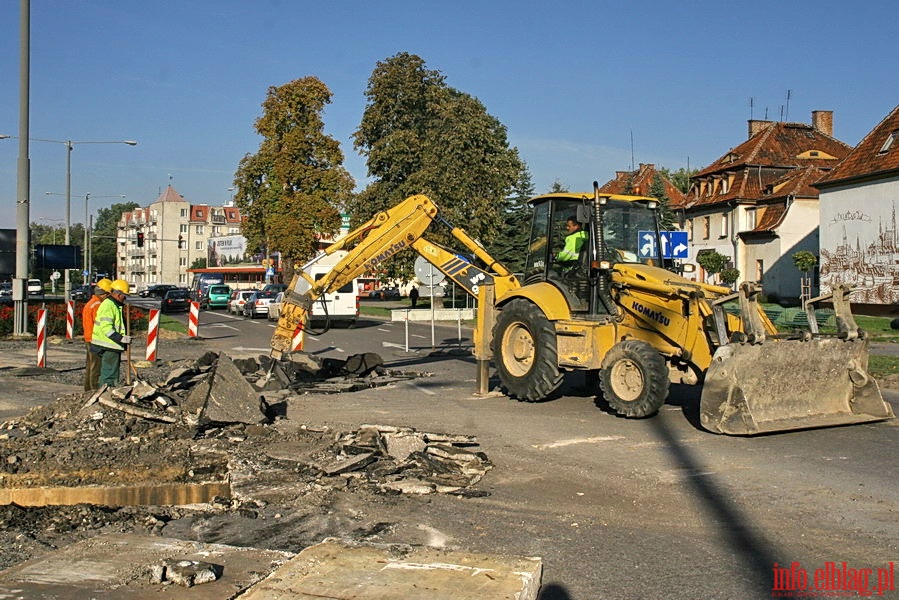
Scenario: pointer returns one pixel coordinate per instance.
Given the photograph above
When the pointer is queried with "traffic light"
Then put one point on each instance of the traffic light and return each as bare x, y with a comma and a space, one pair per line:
180, 242
140, 239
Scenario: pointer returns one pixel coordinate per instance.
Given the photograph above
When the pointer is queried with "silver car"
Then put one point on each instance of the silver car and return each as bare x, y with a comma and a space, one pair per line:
257, 304
274, 307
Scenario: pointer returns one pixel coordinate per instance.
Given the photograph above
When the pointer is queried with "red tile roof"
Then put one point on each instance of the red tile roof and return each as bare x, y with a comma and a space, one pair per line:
749, 171
639, 182
876, 154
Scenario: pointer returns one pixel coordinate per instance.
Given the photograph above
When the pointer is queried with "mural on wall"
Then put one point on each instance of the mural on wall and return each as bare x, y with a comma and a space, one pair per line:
861, 248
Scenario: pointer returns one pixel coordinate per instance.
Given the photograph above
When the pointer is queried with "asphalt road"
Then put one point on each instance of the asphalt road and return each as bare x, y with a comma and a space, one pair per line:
617, 508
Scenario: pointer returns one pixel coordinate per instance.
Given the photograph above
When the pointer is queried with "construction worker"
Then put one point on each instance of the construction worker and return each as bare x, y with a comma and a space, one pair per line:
574, 241
109, 338
88, 315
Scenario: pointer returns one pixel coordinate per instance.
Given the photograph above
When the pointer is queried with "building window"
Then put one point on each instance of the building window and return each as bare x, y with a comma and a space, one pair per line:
889, 142
759, 269
198, 245
198, 214
751, 219
182, 278
725, 218
706, 227
182, 262
199, 230
183, 213
182, 228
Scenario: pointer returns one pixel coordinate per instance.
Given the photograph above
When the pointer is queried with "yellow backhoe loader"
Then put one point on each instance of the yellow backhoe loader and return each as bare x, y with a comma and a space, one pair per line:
608, 302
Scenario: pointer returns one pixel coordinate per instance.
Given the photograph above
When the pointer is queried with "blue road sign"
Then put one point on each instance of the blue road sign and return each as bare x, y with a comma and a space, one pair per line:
674, 244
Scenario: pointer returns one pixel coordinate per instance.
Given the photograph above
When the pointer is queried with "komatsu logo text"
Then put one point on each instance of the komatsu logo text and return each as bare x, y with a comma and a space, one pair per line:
374, 262
651, 314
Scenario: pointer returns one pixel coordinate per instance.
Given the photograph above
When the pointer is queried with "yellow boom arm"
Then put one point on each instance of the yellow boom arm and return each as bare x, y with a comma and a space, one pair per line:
380, 238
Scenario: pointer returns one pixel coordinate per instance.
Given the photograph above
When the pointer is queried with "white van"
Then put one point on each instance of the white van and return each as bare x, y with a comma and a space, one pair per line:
341, 306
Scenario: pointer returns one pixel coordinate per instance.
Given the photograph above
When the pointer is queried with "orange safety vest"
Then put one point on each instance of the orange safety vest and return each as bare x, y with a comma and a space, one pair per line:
88, 314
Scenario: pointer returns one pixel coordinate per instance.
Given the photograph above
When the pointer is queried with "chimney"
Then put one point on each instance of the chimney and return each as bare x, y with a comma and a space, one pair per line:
756, 126
822, 121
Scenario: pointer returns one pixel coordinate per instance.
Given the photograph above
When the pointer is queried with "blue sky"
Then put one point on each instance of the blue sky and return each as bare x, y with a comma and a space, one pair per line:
573, 82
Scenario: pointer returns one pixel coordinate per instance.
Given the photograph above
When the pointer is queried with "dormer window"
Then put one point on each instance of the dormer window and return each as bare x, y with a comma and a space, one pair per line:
891, 139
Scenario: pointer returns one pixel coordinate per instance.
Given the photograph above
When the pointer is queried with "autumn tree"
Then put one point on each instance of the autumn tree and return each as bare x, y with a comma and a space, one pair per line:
293, 189
420, 135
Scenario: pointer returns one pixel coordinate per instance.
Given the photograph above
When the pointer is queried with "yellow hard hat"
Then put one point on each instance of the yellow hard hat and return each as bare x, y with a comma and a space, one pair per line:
105, 285
120, 285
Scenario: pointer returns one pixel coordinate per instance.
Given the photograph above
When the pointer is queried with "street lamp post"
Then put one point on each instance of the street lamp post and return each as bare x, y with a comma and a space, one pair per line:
70, 145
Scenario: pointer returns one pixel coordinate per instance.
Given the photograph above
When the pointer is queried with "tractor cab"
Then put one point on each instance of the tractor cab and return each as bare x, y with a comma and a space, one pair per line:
576, 238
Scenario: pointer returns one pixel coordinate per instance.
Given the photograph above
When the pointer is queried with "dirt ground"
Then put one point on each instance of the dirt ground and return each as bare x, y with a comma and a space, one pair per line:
286, 492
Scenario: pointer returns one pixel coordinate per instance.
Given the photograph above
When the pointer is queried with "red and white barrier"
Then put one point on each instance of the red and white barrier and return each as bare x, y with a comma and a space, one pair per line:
42, 337
193, 321
297, 340
152, 334
70, 319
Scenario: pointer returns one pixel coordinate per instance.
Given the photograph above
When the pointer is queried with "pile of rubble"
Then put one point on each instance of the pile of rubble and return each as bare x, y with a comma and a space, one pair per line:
207, 420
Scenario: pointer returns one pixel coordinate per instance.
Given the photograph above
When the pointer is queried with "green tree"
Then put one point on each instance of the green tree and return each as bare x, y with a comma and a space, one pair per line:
293, 189
729, 275
558, 187
199, 263
103, 237
421, 136
657, 190
805, 261
509, 247
712, 261
680, 178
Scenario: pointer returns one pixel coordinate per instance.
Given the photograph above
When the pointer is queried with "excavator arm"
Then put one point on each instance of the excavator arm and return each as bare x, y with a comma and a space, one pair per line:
383, 236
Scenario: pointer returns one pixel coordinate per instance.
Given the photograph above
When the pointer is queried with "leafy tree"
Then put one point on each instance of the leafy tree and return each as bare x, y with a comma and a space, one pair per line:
712, 262
293, 189
421, 136
199, 263
103, 236
680, 178
805, 261
729, 276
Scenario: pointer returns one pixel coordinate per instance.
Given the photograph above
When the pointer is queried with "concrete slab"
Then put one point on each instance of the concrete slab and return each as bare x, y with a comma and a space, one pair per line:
439, 314
366, 572
120, 567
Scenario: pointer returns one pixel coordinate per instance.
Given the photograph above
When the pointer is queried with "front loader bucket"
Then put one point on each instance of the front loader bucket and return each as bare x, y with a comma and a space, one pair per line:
780, 385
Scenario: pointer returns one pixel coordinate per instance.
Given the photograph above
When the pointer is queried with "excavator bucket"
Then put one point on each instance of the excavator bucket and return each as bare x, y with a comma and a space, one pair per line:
780, 385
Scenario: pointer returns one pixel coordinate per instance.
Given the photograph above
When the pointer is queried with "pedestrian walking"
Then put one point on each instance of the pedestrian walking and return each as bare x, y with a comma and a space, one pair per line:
88, 316
109, 337
413, 296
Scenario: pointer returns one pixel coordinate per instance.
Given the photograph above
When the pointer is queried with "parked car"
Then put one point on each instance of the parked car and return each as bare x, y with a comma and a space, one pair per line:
82, 292
176, 300
387, 293
216, 296
257, 304
274, 307
35, 287
238, 299
157, 290
275, 287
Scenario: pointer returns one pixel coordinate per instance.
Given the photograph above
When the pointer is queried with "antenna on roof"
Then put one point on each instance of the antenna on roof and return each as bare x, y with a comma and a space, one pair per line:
751, 105
632, 149
787, 115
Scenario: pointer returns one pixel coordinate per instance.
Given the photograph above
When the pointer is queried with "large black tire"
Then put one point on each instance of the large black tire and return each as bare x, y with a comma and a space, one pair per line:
524, 348
634, 379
